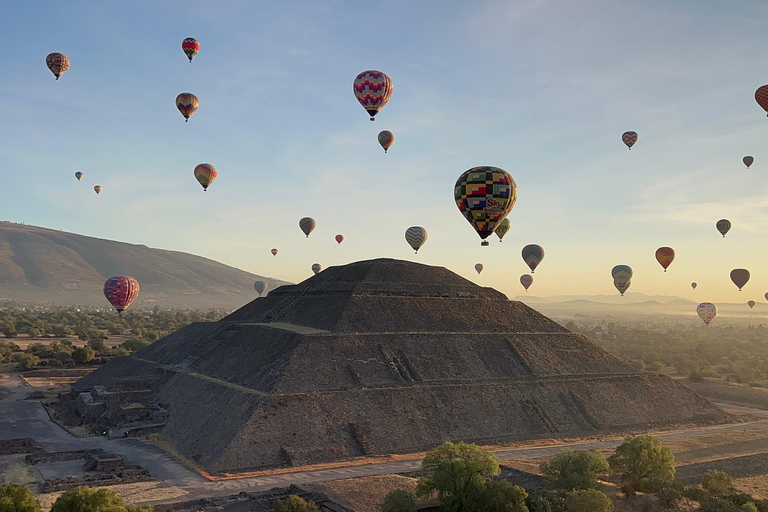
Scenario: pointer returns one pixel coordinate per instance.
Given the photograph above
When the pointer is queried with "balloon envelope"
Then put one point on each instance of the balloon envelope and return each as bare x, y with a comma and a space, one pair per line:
665, 256
416, 236
622, 277
205, 174
629, 138
761, 96
751, 304
79, 175
97, 189
191, 47
260, 286
485, 196
386, 139
723, 226
120, 291
307, 225
740, 276
766, 296
694, 285
373, 89
274, 252
479, 267
748, 160
316, 268
532, 256
187, 104
339, 239
622, 286
706, 311
58, 63
502, 229
526, 280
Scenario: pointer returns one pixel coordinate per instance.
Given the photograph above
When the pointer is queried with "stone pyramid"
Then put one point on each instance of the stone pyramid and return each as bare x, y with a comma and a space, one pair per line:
388, 356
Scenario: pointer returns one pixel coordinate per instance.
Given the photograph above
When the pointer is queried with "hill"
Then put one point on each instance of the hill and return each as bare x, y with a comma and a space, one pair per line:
53, 267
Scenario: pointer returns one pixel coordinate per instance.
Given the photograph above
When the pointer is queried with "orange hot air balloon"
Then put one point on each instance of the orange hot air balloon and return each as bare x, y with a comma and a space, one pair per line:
386, 139
740, 277
339, 239
205, 174
526, 280
373, 90
120, 291
274, 252
187, 104
665, 256
58, 63
761, 96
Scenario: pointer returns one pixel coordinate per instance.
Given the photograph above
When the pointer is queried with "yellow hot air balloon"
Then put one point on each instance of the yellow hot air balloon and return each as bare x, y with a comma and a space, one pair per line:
485, 196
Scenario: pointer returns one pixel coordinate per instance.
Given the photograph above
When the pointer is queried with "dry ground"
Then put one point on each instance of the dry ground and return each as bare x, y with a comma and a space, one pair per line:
738, 394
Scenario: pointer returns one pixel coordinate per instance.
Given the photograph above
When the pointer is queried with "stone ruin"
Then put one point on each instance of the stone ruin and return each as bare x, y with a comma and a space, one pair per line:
386, 356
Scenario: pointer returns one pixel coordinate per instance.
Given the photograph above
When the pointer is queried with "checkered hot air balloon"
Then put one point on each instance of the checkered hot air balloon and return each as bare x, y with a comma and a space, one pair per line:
526, 280
706, 311
485, 196
121, 291
629, 138
502, 229
205, 174
761, 96
532, 256
58, 63
187, 104
665, 256
373, 90
416, 236
191, 47
386, 139
307, 225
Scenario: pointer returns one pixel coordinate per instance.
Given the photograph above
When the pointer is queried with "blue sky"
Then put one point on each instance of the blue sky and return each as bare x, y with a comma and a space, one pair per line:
541, 88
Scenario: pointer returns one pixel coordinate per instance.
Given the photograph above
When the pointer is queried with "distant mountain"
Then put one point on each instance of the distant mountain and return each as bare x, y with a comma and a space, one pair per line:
53, 267
628, 298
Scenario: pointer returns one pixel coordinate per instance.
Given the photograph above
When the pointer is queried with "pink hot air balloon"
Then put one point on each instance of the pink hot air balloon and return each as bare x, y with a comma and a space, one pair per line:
339, 239
121, 291
373, 90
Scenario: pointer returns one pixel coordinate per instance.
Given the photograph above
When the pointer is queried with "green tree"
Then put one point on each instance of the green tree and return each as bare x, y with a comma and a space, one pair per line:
655, 366
643, 463
587, 500
17, 498
718, 483
399, 501
82, 355
457, 472
88, 499
134, 344
570, 470
500, 496
293, 503
96, 344
722, 505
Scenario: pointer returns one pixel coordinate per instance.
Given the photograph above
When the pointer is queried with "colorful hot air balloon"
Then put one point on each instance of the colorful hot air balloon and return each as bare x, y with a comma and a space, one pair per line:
694, 285
316, 268
706, 311
187, 104
97, 189
502, 229
79, 175
629, 138
622, 277
740, 276
485, 196
416, 236
532, 256
723, 226
526, 280
761, 96
748, 160
751, 304
339, 239
191, 47
386, 139
274, 252
373, 90
58, 63
622, 286
665, 256
120, 291
205, 175
260, 286
307, 225
478, 267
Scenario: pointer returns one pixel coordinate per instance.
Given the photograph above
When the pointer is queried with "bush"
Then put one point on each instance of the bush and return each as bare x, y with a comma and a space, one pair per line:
643, 463
96, 344
588, 500
134, 344
637, 364
721, 505
82, 355
718, 483
26, 361
655, 366
541, 501
88, 499
399, 501
570, 470
695, 494
17, 498
696, 377
669, 495
293, 503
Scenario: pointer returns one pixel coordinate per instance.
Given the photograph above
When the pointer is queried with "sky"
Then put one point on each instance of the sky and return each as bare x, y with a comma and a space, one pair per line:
541, 88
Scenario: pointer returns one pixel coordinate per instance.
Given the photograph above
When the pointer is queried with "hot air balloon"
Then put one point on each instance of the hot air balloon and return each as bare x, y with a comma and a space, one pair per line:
120, 291
58, 63
316, 268
665, 256
622, 286
260, 286
694, 285
339, 239
373, 90
740, 276
274, 252
502, 229
629, 138
485, 196
766, 296
416, 236
479, 267
191, 47
748, 160
751, 304
187, 104
622, 277
526, 280
79, 175
97, 189
386, 139
205, 175
307, 225
761, 96
723, 226
532, 256
706, 311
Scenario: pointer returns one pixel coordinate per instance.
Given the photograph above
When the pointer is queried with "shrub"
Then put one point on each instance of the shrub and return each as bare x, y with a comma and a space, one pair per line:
399, 501
588, 500
82, 355
294, 503
718, 483
17, 498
